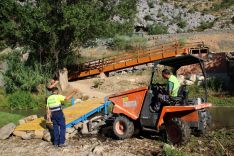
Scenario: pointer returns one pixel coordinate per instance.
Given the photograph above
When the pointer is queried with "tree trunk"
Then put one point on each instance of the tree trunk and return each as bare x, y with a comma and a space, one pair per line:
63, 78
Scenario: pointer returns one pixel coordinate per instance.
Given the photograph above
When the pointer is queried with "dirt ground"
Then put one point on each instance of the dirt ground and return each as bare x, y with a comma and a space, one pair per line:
97, 87
219, 142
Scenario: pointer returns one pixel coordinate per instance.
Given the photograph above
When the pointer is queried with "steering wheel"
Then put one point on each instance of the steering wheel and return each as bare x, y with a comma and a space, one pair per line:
159, 88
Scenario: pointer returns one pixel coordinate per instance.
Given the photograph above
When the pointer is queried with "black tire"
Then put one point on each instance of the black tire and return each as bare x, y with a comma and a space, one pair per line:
123, 127
177, 131
206, 123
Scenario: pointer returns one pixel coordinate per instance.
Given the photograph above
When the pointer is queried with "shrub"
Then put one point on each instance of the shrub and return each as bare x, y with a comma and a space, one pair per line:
150, 3
128, 42
233, 20
182, 24
192, 10
148, 18
3, 97
216, 84
97, 83
182, 41
205, 25
21, 100
21, 76
223, 4
157, 29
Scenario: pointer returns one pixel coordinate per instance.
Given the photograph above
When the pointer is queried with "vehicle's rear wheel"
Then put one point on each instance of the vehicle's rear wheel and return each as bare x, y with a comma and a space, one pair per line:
177, 131
123, 127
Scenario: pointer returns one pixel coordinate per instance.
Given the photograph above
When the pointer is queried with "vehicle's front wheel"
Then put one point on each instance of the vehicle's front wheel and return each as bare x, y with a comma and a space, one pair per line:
123, 127
177, 131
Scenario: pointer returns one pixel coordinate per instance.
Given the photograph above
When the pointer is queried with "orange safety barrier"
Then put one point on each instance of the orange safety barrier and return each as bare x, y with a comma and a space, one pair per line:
134, 58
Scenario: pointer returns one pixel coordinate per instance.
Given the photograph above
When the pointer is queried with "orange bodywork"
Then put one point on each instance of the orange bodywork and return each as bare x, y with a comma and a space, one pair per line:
129, 103
187, 113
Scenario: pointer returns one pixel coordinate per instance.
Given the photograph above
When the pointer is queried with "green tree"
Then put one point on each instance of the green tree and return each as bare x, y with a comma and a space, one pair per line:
53, 28
157, 29
20, 75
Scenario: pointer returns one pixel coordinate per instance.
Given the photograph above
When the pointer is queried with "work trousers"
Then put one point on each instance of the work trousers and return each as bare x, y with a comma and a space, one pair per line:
59, 127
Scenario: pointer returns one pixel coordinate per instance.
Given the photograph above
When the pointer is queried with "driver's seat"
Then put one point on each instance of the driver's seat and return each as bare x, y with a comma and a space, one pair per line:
182, 96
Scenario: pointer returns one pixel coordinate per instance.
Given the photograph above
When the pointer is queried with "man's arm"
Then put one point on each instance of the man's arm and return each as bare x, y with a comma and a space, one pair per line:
48, 115
53, 85
69, 96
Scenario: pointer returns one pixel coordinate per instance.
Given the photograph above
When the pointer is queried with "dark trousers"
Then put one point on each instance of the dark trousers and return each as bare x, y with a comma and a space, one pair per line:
59, 127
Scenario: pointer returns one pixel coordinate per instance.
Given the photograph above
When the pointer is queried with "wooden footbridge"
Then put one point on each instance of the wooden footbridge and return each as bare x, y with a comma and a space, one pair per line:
138, 57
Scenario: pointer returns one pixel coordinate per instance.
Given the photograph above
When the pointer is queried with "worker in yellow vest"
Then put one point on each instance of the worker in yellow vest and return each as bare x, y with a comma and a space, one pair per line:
55, 114
172, 88
173, 84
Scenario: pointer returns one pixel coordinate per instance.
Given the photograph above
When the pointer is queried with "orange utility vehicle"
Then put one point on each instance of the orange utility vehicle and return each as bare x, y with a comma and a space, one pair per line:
176, 120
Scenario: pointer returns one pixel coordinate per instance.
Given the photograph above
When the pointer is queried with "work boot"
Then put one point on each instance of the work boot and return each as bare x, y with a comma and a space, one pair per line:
56, 146
62, 145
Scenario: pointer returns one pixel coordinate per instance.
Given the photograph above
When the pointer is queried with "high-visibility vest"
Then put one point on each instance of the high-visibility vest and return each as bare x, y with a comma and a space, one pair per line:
54, 102
176, 85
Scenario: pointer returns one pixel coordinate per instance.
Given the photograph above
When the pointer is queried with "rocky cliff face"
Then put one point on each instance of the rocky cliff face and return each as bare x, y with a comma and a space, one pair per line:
184, 16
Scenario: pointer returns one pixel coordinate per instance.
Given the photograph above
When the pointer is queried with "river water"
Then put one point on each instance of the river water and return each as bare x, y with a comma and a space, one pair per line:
222, 117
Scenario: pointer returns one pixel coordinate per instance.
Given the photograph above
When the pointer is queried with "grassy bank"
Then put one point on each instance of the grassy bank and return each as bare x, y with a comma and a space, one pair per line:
221, 101
6, 118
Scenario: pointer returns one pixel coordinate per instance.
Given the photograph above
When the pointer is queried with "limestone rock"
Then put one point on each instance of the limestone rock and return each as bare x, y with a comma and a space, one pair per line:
6, 131
22, 121
30, 118
84, 129
47, 136
98, 150
78, 100
79, 125
67, 136
102, 75
19, 133
70, 130
193, 77
200, 78
73, 134
38, 134
27, 136
188, 82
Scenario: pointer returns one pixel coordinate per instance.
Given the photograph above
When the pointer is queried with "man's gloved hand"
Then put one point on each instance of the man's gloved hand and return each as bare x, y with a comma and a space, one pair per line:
48, 116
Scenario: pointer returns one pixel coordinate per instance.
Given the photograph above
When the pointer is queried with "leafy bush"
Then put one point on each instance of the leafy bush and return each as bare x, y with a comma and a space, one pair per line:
182, 24
157, 29
205, 25
97, 83
21, 76
182, 41
128, 42
21, 100
223, 4
150, 3
148, 18
3, 97
233, 20
40, 100
216, 84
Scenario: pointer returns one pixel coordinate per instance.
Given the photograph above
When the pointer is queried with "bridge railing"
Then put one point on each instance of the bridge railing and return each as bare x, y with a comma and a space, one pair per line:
127, 56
